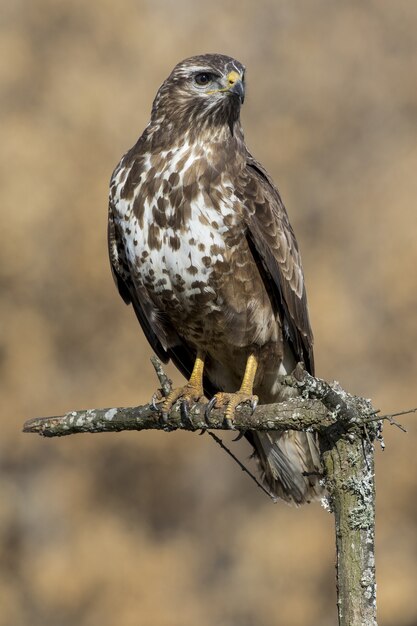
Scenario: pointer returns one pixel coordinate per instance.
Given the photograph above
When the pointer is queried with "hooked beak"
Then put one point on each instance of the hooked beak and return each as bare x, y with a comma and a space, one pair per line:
236, 85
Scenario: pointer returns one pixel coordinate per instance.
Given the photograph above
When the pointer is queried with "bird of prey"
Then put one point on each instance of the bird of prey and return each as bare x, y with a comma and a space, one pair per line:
200, 244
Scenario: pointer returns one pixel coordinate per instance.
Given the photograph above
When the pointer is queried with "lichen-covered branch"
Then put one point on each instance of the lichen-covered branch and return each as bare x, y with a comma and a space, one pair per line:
295, 414
320, 407
350, 483
346, 426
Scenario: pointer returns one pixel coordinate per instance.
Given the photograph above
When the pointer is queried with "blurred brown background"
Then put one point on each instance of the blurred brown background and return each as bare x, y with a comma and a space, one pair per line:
148, 529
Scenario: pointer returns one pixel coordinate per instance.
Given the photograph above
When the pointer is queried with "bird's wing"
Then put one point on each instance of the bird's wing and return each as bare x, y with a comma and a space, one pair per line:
275, 249
132, 294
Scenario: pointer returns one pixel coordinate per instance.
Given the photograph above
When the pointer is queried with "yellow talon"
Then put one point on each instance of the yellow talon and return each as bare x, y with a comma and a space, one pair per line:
192, 391
230, 401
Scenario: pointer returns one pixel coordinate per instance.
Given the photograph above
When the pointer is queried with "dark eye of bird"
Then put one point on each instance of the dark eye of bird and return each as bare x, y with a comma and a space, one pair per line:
203, 79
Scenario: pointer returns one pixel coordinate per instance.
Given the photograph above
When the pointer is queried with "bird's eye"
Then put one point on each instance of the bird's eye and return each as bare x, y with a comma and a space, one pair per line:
203, 79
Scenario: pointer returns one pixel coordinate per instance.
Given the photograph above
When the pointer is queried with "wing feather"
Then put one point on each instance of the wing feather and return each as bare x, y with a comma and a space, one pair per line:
275, 248
131, 294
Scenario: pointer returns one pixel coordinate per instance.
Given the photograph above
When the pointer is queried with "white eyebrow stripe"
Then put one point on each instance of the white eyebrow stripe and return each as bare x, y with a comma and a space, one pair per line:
200, 68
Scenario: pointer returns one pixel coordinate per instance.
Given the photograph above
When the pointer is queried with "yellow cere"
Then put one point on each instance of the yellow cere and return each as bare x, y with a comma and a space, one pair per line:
233, 77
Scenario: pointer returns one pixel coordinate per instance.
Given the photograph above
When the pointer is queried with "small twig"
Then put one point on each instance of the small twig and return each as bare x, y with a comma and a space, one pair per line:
165, 382
390, 418
391, 415
364, 451
393, 422
242, 466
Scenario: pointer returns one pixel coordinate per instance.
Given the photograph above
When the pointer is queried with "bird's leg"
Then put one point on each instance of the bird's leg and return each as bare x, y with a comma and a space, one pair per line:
230, 401
191, 392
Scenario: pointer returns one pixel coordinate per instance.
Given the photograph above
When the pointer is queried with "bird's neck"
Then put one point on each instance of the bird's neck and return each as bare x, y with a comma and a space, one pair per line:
166, 135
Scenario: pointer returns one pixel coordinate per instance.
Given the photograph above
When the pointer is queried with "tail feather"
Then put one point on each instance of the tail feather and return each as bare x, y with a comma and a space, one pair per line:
290, 463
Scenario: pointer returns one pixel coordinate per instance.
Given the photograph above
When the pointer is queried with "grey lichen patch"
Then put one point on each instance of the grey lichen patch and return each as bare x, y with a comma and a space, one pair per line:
367, 578
326, 503
80, 420
336, 412
368, 584
110, 414
352, 458
361, 517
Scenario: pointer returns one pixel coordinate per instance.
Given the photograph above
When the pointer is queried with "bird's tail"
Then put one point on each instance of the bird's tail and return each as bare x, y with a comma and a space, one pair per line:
290, 463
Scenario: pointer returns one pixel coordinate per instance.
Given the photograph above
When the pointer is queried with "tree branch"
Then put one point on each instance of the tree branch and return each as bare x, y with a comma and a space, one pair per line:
346, 426
321, 407
295, 414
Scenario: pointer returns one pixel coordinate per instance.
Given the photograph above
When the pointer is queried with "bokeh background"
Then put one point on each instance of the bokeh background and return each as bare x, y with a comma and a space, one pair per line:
149, 529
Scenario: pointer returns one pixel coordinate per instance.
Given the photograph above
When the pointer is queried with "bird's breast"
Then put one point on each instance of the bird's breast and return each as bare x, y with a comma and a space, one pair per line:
180, 227
186, 265
184, 240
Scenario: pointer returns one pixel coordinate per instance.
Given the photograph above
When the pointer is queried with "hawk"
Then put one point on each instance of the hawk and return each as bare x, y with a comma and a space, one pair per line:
201, 246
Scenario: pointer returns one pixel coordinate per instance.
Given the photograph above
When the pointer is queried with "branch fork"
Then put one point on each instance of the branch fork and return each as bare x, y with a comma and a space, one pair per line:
346, 426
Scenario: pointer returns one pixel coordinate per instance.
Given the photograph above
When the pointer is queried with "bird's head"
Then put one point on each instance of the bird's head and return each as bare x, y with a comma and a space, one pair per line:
208, 88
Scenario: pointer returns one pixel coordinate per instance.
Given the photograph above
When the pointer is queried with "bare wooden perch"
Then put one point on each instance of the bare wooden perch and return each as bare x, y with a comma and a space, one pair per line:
347, 427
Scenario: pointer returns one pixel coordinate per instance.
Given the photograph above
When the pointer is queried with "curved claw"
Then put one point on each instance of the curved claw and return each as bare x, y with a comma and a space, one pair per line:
254, 403
185, 416
184, 409
153, 403
229, 423
239, 436
164, 418
209, 407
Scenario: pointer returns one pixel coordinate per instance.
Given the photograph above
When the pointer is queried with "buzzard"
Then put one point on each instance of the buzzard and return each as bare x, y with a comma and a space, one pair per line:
201, 246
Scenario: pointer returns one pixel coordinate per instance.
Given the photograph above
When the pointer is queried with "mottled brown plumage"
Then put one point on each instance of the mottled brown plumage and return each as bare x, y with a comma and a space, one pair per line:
201, 245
